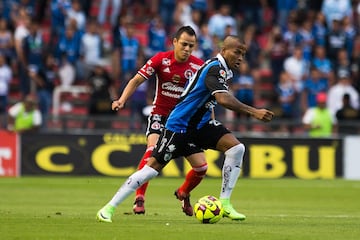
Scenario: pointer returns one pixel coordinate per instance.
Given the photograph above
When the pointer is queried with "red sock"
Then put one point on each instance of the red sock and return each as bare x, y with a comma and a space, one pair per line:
142, 189
193, 178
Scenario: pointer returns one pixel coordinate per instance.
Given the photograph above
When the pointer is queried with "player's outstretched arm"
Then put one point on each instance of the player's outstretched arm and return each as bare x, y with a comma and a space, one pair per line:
230, 102
128, 91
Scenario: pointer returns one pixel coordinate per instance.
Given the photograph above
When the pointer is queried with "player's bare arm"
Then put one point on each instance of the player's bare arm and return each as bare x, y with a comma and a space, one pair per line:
128, 91
230, 102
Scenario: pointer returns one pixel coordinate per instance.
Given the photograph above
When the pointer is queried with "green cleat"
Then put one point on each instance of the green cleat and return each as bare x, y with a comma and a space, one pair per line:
230, 212
105, 214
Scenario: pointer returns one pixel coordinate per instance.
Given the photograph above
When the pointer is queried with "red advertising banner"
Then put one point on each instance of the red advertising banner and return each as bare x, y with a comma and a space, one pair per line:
9, 157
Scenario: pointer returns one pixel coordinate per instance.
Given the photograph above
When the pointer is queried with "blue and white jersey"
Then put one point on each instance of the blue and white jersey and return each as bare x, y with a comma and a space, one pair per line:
196, 103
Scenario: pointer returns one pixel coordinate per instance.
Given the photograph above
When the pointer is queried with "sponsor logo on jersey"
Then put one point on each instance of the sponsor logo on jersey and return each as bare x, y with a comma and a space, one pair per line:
167, 70
176, 78
166, 61
171, 90
188, 74
169, 86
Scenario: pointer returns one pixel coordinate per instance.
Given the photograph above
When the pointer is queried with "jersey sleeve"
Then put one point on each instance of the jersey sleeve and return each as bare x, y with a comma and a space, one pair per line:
37, 118
216, 80
150, 67
308, 116
15, 109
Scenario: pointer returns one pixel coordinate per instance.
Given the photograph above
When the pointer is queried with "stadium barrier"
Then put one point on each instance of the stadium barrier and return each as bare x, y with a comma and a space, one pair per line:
117, 154
9, 154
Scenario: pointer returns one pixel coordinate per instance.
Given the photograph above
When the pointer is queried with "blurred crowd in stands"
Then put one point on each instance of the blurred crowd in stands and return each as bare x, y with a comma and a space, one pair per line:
297, 49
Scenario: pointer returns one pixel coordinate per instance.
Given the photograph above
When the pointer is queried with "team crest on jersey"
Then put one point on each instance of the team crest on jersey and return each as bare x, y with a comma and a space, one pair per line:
188, 74
156, 126
166, 61
176, 78
150, 70
222, 73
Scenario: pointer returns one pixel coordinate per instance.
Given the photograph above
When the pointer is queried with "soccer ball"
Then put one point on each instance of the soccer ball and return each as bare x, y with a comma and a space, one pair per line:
208, 209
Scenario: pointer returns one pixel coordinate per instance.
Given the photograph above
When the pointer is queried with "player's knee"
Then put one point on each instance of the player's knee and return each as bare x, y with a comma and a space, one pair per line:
201, 170
236, 152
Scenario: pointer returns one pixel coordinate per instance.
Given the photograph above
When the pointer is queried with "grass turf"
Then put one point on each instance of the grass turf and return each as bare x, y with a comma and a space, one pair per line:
65, 208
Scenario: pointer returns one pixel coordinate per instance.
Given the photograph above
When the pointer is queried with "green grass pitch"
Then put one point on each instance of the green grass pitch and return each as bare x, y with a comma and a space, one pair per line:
65, 208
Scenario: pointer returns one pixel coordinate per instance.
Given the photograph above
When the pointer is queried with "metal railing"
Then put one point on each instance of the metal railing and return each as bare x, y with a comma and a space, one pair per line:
241, 127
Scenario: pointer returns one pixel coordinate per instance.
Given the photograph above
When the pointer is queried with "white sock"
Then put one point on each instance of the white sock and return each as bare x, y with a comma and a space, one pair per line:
231, 169
132, 183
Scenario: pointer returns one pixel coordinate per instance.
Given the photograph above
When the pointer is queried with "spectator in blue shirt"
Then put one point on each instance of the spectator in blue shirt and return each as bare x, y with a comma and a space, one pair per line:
313, 85
44, 89
69, 45
34, 45
205, 42
157, 37
130, 52
319, 29
58, 10
283, 8
243, 86
33, 48
321, 62
166, 11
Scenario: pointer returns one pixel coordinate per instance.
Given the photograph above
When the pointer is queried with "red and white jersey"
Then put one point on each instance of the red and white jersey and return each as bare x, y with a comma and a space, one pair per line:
171, 77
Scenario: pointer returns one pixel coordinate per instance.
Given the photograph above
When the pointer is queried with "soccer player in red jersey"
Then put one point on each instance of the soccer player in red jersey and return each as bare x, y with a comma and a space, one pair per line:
172, 69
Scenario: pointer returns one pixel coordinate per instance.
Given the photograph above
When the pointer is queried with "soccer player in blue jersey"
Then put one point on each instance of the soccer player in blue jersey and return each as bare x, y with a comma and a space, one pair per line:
191, 127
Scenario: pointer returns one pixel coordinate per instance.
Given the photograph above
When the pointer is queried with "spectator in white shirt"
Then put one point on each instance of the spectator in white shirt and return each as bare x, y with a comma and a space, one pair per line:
5, 78
336, 9
296, 67
220, 20
336, 93
76, 12
91, 48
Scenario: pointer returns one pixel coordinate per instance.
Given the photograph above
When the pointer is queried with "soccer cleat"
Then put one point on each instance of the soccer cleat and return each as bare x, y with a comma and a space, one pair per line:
230, 212
185, 200
105, 214
139, 207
